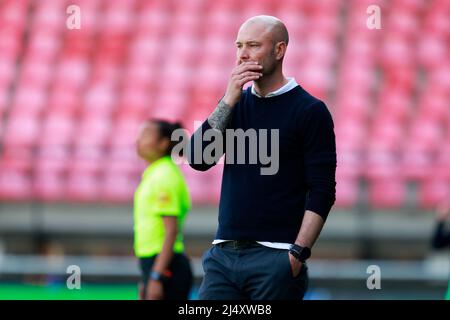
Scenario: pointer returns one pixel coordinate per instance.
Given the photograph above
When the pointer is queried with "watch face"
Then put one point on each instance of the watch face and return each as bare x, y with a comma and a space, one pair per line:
301, 253
155, 276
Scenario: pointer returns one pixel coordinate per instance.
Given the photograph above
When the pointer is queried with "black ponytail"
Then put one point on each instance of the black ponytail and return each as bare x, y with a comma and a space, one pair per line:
166, 130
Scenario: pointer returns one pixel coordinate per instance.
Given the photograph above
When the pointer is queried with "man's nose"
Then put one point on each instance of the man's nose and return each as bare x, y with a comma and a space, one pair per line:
243, 55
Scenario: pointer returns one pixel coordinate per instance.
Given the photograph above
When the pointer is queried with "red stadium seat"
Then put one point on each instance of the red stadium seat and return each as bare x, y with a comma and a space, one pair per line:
118, 188
15, 185
16, 159
425, 135
416, 163
346, 193
433, 191
21, 131
381, 164
53, 159
7, 69
57, 130
86, 159
387, 193
48, 187
82, 187
72, 101
441, 166
29, 100
93, 132
43, 45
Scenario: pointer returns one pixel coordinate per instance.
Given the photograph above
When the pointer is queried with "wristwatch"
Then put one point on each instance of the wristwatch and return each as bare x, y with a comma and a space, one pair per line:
300, 253
154, 275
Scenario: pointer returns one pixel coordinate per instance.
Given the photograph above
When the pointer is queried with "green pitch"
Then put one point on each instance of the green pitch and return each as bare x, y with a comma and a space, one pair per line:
61, 292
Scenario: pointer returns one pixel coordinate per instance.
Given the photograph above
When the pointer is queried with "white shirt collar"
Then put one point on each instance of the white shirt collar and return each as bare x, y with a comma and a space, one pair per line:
287, 87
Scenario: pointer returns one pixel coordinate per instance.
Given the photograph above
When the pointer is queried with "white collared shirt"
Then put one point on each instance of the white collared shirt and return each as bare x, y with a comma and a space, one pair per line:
287, 87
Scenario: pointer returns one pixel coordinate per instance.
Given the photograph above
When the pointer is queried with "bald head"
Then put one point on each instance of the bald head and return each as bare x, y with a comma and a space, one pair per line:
271, 25
263, 39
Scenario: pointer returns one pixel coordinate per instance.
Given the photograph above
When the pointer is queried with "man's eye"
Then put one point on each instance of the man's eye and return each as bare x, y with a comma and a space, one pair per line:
254, 45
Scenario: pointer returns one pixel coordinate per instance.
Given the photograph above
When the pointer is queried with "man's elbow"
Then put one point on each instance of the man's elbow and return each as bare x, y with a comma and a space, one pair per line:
195, 158
321, 200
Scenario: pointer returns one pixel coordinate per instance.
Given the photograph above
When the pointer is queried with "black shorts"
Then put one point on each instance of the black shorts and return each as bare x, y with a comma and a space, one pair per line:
178, 286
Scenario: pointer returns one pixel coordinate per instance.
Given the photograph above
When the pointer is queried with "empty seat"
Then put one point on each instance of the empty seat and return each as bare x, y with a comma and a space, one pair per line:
433, 191
118, 188
48, 187
21, 131
73, 100
15, 185
82, 187
387, 193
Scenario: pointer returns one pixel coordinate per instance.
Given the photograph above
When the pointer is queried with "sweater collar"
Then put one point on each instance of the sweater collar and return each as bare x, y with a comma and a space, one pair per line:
287, 87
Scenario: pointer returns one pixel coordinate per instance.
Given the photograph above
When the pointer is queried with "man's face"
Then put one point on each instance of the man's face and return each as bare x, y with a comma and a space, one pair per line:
254, 43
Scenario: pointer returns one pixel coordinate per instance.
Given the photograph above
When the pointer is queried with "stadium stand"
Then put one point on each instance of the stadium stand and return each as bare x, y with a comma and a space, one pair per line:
72, 100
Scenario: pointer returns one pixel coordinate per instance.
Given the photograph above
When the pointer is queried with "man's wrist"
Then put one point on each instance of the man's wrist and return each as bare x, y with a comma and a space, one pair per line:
221, 116
228, 102
156, 276
300, 253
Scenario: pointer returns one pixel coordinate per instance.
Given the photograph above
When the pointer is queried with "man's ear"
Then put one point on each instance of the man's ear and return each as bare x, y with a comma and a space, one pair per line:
280, 50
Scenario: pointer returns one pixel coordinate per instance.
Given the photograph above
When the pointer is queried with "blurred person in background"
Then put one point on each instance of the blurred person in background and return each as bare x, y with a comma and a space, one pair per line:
441, 237
161, 203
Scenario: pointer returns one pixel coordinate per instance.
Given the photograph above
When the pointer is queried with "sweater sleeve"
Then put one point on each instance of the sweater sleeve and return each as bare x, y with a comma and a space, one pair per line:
319, 149
204, 147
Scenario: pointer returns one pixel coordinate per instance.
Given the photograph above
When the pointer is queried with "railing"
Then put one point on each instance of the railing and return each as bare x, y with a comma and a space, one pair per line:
432, 269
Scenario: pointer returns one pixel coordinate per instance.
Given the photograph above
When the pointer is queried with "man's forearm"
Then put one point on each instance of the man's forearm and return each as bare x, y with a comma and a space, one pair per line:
310, 230
221, 116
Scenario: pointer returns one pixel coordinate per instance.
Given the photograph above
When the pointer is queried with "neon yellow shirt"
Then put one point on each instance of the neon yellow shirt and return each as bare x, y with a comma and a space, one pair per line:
161, 192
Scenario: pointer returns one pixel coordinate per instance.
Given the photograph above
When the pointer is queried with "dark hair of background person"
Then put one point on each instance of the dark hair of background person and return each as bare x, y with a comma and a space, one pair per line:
166, 129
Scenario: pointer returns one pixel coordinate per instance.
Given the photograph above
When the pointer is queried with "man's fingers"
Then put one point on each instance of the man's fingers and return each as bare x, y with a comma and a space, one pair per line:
242, 70
247, 79
246, 66
248, 74
249, 67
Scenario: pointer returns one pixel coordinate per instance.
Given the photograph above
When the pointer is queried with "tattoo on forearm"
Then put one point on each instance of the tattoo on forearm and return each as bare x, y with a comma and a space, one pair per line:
221, 116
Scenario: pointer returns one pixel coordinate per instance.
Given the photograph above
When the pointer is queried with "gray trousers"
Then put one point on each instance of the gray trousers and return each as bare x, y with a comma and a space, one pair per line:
250, 273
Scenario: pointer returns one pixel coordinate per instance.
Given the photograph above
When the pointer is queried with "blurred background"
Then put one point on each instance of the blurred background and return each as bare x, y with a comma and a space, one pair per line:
71, 101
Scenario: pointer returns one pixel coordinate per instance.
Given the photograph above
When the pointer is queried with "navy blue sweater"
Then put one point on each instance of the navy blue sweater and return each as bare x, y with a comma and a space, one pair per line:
271, 207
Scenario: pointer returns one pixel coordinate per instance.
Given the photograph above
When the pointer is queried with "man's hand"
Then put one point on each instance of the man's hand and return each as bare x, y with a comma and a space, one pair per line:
155, 290
296, 266
241, 74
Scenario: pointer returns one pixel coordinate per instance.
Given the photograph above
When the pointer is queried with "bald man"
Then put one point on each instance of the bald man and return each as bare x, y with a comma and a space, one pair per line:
268, 223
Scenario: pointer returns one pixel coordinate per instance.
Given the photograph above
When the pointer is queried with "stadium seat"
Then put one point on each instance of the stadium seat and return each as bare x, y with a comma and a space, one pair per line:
433, 191
82, 187
15, 185
387, 193
346, 193
71, 98
48, 187
21, 131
